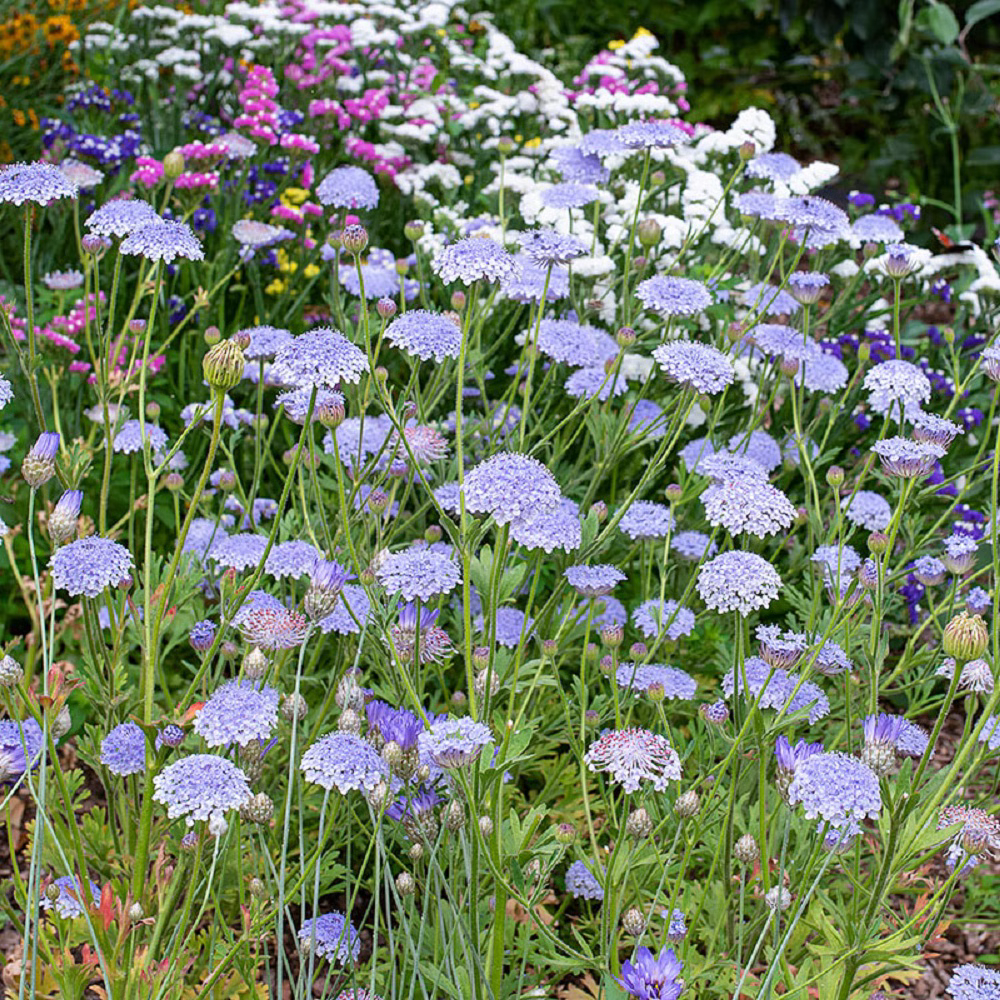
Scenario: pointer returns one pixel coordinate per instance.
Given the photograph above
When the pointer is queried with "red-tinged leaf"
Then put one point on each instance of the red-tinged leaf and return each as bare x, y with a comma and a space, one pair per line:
192, 711
106, 908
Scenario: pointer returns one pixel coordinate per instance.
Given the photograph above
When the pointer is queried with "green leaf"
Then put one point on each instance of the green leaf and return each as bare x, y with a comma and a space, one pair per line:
940, 22
980, 11
984, 156
611, 988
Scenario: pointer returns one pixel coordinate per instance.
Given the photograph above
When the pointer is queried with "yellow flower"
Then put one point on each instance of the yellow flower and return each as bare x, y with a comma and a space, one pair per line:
311, 271
294, 196
641, 32
473, 105
59, 31
615, 44
276, 287
533, 143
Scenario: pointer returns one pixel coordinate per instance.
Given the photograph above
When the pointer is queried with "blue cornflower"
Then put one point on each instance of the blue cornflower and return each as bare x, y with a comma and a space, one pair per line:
345, 762
238, 712
674, 296
37, 183
201, 786
426, 335
582, 884
700, 367
123, 750
89, 565
836, 788
163, 241
348, 187
476, 258
320, 358
738, 581
651, 619
454, 743
333, 937
649, 978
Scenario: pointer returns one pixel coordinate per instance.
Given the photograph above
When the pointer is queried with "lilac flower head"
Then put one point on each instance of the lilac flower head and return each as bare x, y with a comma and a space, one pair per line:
63, 281
773, 166
693, 546
594, 581
426, 335
353, 604
508, 625
757, 508
815, 221
757, 681
546, 247
252, 234
20, 747
867, 510
576, 165
348, 187
907, 459
929, 571
475, 258
345, 762
601, 141
893, 384
976, 675
36, 183
700, 367
978, 601
453, 743
163, 241
576, 344
121, 217
960, 553
569, 195
331, 935
671, 619
201, 786
677, 684
129, 439
71, 901
807, 286
674, 296
291, 559
123, 750
789, 755
508, 485
759, 446
238, 712
88, 565
780, 649
549, 528
586, 383
836, 788
240, 552
974, 982
582, 884
295, 403
388, 724
652, 978
265, 342
631, 756
738, 581
645, 521
419, 574
6, 392
319, 358
769, 300
937, 430
201, 636
876, 229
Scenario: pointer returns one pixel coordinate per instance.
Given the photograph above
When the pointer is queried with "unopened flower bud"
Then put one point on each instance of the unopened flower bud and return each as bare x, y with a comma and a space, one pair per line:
779, 898
349, 693
173, 165
600, 509
505, 145
416, 851
11, 672
687, 805
633, 922
673, 493
625, 336
349, 721
137, 326
612, 636
965, 637
433, 534
62, 723
458, 301
565, 833
486, 827
258, 810
378, 797
386, 308
212, 335
878, 543
638, 650
294, 707
223, 365
52, 892
135, 913
392, 754
591, 717
864, 351
413, 230
789, 367
256, 887
39, 465
550, 647
355, 239
835, 476
747, 150
639, 825
746, 850
256, 664
606, 663
649, 231
382, 374
454, 818
64, 516
405, 885
93, 244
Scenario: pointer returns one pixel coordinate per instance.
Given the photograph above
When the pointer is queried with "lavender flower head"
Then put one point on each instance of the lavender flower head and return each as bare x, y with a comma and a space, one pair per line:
265, 342
867, 510
546, 247
905, 459
345, 762
974, 982
508, 485
419, 574
693, 546
88, 565
348, 187
645, 521
332, 936
292, 559
569, 195
594, 581
36, 183
671, 619
427, 335
201, 787
129, 440
651, 135
575, 344
631, 756
549, 528
757, 508
273, 628
238, 712
239, 552
652, 978
738, 581
674, 296
321, 358
123, 750
163, 241
836, 788
677, 684
476, 258
700, 367
454, 743
6, 392
895, 386
70, 902
581, 882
